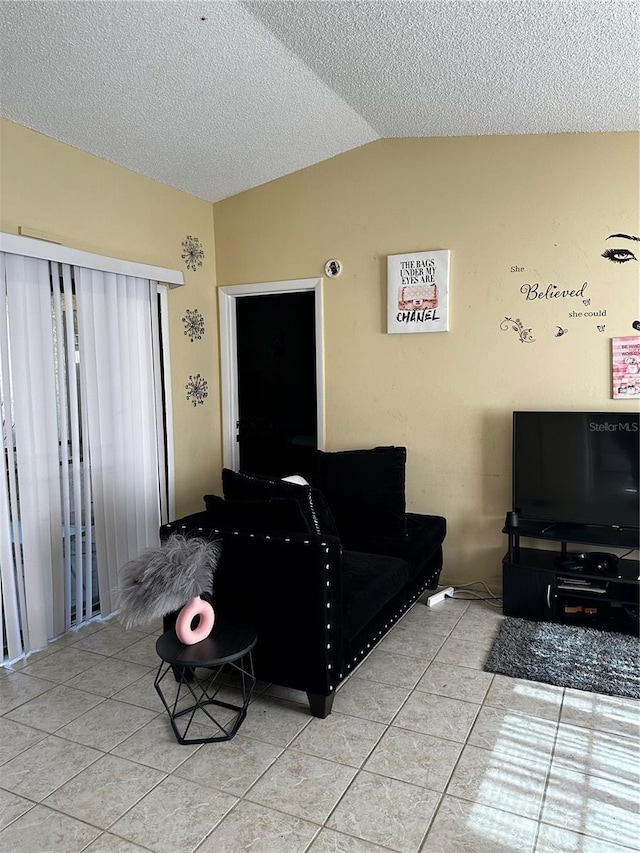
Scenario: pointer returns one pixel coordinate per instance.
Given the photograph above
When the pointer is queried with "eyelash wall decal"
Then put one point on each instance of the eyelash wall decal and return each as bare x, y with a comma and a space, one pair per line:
619, 256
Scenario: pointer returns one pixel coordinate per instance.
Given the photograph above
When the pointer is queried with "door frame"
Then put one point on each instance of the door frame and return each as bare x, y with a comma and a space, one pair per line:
229, 362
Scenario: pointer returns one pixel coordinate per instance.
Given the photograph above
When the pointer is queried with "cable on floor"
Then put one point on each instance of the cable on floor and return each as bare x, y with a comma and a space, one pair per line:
476, 596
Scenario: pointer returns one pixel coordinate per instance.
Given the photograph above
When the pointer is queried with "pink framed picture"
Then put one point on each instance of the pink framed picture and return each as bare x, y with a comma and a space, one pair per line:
625, 367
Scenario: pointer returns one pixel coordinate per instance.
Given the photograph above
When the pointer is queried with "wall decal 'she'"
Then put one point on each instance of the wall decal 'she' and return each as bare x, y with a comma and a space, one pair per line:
197, 390
193, 253
524, 335
193, 324
561, 332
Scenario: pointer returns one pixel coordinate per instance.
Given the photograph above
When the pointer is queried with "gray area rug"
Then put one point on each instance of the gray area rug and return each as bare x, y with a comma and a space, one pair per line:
567, 656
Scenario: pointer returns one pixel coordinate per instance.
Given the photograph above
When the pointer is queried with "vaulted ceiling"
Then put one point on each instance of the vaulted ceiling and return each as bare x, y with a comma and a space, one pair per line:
217, 97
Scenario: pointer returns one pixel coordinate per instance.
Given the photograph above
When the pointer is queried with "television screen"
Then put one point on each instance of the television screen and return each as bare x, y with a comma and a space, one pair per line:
577, 468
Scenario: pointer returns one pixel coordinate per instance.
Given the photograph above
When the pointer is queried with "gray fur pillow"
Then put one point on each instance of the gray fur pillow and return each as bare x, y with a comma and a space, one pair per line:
164, 578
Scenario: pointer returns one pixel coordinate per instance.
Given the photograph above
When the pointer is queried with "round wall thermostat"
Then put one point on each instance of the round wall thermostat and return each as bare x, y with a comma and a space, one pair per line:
333, 268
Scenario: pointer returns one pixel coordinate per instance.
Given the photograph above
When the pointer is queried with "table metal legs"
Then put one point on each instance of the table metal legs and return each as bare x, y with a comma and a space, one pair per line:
203, 685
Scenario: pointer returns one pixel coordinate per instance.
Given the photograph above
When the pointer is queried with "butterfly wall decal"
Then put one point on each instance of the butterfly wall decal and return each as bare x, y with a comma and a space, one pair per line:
561, 332
601, 328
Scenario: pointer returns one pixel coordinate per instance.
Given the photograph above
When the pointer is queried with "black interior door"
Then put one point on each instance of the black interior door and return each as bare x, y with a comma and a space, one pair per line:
277, 392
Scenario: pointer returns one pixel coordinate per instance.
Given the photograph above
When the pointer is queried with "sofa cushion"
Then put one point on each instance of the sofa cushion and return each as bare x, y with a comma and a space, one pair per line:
242, 486
369, 581
425, 534
281, 514
365, 490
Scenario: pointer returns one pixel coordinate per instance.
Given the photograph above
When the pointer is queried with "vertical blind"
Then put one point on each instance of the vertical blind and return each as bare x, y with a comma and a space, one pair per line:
83, 485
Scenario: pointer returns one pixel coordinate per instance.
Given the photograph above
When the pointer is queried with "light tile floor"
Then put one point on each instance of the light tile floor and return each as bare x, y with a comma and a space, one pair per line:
423, 752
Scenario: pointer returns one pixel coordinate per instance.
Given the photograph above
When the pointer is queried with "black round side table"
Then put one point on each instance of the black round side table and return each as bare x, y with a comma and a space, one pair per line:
226, 649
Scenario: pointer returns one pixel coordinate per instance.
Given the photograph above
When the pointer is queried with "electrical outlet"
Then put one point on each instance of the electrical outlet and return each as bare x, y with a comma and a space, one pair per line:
440, 595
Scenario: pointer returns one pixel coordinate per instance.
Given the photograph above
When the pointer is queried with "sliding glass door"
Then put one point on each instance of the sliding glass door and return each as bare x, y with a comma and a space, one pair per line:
83, 481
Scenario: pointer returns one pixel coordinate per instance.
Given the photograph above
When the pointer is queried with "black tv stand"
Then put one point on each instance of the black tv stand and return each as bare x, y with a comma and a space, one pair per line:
600, 562
613, 537
575, 588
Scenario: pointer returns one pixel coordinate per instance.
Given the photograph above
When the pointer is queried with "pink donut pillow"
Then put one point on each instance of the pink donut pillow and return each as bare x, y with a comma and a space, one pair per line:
197, 607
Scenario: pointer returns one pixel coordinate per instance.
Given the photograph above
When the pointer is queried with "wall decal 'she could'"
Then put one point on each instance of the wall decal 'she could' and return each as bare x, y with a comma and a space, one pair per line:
193, 253
524, 335
193, 324
197, 390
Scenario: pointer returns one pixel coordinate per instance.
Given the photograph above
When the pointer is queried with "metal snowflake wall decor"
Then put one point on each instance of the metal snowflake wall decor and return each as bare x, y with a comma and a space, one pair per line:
193, 254
193, 324
197, 390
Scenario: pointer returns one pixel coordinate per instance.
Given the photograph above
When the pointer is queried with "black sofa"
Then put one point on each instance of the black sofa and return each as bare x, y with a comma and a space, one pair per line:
322, 571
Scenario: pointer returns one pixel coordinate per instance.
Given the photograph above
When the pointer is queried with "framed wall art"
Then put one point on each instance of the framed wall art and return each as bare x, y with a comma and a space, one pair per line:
625, 367
418, 292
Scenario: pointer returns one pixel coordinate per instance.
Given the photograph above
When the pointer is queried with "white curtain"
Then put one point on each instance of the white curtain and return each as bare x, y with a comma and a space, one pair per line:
30, 515
115, 325
83, 441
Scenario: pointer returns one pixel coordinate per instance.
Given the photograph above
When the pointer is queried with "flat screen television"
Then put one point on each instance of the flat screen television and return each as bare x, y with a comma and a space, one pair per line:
577, 468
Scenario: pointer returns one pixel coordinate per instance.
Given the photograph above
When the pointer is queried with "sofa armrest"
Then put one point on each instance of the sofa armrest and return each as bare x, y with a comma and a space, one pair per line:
288, 586
430, 529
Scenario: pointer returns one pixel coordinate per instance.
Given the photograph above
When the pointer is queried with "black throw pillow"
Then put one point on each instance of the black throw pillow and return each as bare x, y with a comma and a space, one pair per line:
242, 486
256, 516
365, 490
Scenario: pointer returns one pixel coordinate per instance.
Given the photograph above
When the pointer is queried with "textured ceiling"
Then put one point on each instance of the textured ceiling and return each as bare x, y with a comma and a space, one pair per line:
216, 97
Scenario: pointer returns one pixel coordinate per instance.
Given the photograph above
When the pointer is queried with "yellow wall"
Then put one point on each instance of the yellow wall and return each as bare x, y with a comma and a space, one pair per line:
542, 203
90, 204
